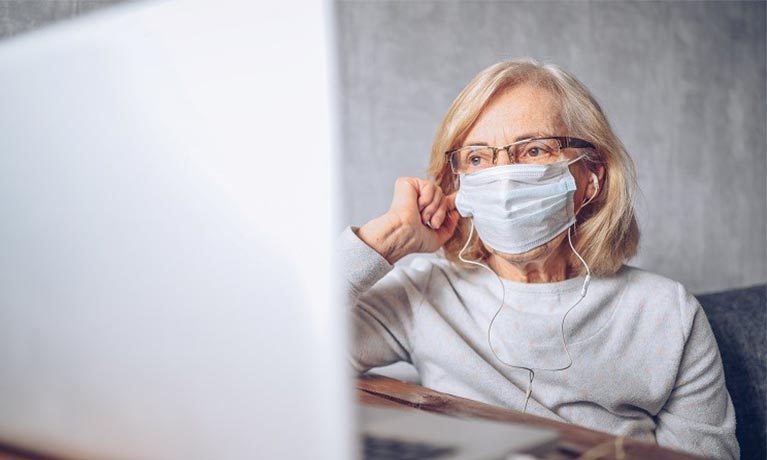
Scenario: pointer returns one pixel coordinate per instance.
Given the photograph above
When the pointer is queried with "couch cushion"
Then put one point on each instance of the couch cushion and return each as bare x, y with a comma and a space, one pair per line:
739, 321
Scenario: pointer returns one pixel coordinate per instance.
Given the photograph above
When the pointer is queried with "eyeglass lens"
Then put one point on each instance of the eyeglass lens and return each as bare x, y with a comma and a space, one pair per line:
476, 158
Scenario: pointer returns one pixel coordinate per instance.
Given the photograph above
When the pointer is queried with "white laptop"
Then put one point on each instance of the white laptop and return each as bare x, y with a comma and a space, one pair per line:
165, 228
395, 434
167, 203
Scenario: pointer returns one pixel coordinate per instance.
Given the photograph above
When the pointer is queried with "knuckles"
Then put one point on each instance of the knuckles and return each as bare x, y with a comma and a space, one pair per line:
401, 181
429, 195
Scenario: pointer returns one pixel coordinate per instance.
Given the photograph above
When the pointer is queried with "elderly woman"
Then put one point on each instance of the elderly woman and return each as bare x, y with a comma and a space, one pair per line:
529, 305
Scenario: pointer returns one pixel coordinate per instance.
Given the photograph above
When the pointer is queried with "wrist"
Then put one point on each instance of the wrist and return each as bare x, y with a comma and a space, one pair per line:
387, 236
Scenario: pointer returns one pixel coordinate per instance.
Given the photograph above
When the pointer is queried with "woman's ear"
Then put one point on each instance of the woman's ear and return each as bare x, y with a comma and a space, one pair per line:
596, 182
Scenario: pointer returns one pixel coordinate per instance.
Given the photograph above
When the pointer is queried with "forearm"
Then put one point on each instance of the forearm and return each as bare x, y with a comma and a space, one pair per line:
360, 265
378, 305
387, 237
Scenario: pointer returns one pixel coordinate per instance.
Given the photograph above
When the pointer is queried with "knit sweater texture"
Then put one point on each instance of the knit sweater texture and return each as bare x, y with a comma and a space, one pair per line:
645, 362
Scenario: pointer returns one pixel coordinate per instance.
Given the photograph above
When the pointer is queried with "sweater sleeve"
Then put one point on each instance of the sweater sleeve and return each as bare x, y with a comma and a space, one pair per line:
698, 416
378, 296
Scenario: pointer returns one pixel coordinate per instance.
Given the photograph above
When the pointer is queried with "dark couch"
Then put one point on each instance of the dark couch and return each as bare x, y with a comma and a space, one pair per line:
739, 320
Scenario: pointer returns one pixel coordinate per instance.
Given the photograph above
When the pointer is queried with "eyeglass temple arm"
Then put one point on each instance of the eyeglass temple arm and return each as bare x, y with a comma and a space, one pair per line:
567, 142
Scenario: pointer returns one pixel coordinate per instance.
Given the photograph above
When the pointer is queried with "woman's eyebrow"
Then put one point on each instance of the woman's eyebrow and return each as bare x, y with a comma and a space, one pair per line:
518, 138
530, 136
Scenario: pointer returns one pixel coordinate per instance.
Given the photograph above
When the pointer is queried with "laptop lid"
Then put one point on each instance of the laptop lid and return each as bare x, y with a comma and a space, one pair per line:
166, 203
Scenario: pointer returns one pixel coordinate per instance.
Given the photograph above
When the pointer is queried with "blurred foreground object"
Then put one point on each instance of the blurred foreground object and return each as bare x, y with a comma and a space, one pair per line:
155, 296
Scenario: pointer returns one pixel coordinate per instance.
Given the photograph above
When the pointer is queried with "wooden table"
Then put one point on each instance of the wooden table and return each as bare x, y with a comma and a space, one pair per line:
575, 441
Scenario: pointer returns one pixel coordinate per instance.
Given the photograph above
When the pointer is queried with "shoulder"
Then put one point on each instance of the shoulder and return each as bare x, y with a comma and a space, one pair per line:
650, 284
659, 296
641, 277
424, 269
410, 283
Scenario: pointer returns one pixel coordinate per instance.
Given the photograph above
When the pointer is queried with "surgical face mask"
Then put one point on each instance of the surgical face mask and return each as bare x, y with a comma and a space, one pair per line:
518, 207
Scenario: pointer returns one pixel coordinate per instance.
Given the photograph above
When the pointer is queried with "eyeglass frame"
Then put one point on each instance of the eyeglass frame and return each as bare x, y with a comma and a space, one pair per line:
563, 141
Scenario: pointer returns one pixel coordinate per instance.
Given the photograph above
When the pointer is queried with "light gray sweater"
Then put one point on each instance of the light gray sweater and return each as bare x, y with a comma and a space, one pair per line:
645, 362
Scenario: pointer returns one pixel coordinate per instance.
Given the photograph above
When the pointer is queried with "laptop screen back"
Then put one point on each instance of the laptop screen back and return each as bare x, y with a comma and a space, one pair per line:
166, 200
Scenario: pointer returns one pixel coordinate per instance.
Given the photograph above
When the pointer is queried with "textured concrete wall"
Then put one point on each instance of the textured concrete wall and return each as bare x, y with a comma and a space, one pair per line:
683, 84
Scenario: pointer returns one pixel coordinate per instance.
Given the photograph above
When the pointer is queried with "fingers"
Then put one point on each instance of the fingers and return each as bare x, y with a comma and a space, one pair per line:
439, 217
448, 227
420, 208
447, 205
450, 201
411, 192
424, 198
426, 194
405, 193
433, 206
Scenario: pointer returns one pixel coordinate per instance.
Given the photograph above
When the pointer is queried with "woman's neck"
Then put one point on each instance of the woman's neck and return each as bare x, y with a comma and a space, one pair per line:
544, 264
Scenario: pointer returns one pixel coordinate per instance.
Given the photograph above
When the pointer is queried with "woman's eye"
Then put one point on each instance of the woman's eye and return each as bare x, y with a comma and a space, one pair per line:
537, 151
534, 152
475, 160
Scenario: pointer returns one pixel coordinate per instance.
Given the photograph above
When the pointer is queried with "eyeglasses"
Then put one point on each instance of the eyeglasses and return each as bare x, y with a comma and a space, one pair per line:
542, 150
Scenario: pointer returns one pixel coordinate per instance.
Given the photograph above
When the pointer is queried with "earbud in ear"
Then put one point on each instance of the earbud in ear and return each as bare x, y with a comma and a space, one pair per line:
595, 181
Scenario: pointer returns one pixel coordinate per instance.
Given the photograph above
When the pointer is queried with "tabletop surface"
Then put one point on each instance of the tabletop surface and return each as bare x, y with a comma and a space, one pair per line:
576, 442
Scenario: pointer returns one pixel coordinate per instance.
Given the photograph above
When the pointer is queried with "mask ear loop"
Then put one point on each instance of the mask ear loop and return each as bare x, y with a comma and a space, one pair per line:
584, 290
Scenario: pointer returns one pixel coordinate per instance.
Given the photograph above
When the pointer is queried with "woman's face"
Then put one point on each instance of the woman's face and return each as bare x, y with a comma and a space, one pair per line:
519, 113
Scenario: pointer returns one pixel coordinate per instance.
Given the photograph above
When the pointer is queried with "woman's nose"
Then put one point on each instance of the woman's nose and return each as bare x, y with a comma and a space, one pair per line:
504, 157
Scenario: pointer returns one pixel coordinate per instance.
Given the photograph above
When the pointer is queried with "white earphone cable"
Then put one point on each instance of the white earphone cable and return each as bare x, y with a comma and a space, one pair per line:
584, 290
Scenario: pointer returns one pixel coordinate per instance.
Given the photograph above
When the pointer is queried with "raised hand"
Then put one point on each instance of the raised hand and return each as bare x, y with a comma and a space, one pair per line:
421, 219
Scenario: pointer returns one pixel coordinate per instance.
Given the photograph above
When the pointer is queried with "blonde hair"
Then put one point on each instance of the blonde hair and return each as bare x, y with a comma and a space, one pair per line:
606, 234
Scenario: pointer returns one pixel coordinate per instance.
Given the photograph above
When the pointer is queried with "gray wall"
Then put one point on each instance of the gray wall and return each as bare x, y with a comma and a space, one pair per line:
18, 16
683, 84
